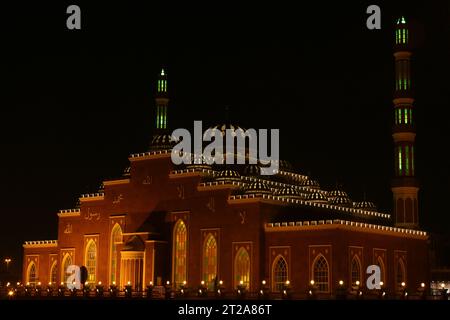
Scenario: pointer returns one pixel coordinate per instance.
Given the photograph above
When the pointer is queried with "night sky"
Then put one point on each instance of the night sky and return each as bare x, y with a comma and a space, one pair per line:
75, 104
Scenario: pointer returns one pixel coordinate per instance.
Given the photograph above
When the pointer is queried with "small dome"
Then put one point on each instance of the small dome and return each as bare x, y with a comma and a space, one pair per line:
252, 170
365, 205
337, 193
308, 182
258, 187
340, 198
228, 176
163, 141
317, 196
288, 192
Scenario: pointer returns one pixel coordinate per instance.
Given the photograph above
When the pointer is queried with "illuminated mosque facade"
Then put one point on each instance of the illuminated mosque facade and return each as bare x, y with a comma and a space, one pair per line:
228, 223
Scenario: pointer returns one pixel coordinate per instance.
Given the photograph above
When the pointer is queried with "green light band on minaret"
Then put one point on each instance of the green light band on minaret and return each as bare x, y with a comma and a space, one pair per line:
407, 160
165, 118
161, 101
400, 160
157, 116
162, 85
161, 117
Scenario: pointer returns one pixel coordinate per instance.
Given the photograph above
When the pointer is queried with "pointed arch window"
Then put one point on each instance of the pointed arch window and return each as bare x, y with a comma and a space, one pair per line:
380, 263
67, 261
91, 260
53, 272
116, 236
279, 273
180, 252
210, 260
321, 274
32, 274
242, 268
400, 274
355, 272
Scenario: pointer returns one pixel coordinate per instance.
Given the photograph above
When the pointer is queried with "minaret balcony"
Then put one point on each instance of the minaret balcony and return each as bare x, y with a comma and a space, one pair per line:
405, 181
403, 93
397, 128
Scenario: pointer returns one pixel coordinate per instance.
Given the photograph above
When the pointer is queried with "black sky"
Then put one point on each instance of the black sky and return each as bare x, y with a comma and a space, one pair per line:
74, 105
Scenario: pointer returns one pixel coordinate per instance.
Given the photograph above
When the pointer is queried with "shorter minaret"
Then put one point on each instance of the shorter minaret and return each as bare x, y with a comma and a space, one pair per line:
162, 138
162, 102
404, 185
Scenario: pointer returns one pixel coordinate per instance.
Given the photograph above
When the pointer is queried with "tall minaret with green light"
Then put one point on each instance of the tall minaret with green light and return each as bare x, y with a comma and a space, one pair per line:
404, 185
162, 102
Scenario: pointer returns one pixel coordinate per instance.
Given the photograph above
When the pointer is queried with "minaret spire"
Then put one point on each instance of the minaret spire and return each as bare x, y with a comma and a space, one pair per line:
404, 185
161, 101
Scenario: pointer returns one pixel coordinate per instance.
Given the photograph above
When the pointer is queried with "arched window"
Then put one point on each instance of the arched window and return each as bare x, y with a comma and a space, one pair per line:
53, 272
321, 273
279, 273
210, 260
180, 253
91, 260
355, 272
32, 274
242, 268
400, 274
116, 236
380, 263
66, 262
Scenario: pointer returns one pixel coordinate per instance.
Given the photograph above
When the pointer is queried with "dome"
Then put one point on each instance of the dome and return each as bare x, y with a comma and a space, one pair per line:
258, 187
252, 170
337, 193
228, 175
201, 165
163, 141
310, 183
317, 196
237, 153
365, 205
288, 192
340, 198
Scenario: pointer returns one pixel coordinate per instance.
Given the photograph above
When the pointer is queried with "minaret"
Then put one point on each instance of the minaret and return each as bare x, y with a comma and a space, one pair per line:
162, 102
404, 185
162, 138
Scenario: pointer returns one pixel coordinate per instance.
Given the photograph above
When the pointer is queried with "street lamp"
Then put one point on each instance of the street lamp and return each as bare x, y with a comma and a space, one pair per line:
7, 261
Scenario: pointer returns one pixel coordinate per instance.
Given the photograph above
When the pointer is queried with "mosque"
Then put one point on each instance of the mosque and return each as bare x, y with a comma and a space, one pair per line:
204, 224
